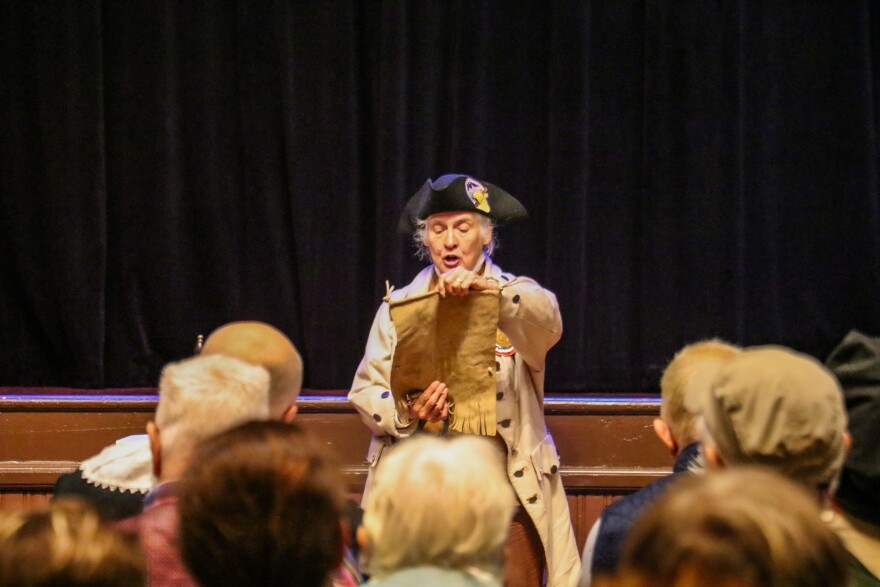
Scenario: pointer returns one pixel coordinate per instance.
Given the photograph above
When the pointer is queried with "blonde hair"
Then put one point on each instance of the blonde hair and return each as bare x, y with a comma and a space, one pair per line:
685, 380
67, 545
438, 502
205, 395
487, 229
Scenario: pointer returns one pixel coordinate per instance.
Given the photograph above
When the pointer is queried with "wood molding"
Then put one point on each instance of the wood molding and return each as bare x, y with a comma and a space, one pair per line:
606, 442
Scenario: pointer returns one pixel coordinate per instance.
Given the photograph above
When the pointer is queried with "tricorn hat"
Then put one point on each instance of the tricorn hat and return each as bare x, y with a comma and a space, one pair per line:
460, 193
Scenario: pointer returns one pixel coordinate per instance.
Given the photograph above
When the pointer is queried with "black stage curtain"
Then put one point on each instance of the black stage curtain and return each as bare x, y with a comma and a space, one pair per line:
692, 169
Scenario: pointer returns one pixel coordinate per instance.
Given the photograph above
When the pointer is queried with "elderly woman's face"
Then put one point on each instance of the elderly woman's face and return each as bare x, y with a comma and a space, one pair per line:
455, 240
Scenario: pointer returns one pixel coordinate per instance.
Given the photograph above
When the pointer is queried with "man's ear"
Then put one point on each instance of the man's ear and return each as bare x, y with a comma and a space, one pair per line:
661, 429
155, 448
714, 460
290, 413
361, 537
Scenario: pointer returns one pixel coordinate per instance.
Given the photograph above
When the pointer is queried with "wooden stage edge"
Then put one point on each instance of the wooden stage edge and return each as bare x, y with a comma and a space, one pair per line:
605, 441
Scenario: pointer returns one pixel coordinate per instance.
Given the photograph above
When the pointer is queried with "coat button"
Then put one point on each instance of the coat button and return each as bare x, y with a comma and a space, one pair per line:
505, 423
499, 396
553, 469
516, 299
377, 417
385, 394
497, 366
533, 499
518, 473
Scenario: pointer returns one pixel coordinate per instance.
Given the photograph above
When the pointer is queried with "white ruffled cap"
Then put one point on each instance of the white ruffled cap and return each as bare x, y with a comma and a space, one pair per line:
126, 465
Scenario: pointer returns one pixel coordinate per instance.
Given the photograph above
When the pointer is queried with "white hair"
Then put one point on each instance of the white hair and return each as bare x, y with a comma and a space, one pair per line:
487, 228
206, 395
438, 502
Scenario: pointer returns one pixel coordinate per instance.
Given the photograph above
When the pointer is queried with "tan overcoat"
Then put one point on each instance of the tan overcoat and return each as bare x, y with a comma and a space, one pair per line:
530, 319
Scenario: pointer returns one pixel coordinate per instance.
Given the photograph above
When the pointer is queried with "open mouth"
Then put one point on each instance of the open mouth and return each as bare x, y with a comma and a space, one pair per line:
451, 261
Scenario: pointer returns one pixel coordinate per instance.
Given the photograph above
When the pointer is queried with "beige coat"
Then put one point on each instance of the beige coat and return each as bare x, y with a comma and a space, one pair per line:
530, 319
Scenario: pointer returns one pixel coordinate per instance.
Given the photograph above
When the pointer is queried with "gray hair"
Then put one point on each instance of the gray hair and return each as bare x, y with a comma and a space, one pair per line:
206, 395
439, 502
420, 236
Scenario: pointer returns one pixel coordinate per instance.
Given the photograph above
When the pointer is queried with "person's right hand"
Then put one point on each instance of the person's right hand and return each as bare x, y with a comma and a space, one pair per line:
431, 404
460, 281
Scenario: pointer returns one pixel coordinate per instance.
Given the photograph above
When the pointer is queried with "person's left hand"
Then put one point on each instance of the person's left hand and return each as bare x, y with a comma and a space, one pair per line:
431, 404
460, 281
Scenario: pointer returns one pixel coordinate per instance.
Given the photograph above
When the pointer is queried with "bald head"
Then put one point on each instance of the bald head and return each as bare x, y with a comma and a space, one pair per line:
258, 343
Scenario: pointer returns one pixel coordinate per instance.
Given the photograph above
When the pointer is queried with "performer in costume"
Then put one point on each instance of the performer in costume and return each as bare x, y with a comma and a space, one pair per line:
453, 220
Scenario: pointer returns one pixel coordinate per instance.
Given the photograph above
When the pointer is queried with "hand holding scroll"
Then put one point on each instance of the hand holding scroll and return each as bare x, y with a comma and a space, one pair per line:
430, 405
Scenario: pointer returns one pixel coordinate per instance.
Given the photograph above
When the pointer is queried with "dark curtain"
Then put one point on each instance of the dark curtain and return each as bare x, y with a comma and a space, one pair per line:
691, 169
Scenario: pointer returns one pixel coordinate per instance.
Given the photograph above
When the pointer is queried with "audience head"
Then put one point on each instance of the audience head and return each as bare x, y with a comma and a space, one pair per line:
741, 527
438, 502
260, 344
684, 383
856, 362
773, 406
198, 398
261, 504
66, 545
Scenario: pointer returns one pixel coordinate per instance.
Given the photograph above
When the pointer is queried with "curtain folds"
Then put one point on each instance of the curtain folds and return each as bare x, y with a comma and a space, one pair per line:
691, 169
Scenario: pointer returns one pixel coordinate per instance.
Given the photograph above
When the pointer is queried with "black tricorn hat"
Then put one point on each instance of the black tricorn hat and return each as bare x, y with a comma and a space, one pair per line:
460, 193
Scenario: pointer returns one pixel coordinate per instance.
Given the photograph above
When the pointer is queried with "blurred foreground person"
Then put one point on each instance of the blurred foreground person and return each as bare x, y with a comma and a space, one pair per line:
198, 398
67, 545
856, 512
117, 479
438, 515
263, 345
261, 504
685, 381
742, 527
779, 408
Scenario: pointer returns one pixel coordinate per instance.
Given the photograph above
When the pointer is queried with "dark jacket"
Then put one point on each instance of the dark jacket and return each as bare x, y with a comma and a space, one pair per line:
619, 517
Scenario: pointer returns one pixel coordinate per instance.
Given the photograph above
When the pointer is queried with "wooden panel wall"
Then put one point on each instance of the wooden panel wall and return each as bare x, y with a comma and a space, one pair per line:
607, 444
